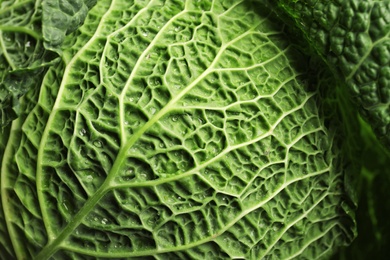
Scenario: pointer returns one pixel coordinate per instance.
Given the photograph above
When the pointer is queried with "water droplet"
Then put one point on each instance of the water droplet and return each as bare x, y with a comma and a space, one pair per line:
98, 144
153, 110
89, 178
177, 29
130, 172
28, 44
82, 132
144, 33
261, 225
104, 221
174, 118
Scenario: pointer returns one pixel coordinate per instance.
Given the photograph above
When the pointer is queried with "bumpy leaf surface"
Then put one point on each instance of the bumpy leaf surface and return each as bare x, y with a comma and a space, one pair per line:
62, 17
29, 32
175, 130
20, 47
353, 37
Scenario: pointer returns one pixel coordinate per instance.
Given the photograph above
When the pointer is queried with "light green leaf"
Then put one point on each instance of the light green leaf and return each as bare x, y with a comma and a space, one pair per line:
177, 130
5, 241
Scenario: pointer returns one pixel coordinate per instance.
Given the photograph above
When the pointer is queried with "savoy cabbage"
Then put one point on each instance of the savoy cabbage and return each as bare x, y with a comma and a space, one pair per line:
167, 129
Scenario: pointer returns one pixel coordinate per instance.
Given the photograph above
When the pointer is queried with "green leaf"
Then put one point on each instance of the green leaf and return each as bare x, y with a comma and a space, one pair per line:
6, 248
174, 129
353, 38
29, 32
20, 47
374, 205
62, 17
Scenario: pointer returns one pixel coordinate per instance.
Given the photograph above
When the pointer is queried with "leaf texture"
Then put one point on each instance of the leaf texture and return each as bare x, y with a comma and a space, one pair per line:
5, 241
29, 33
175, 129
20, 46
61, 18
353, 37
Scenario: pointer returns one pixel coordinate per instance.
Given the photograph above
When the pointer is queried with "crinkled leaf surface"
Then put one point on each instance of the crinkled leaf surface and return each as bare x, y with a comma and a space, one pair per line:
373, 209
62, 17
353, 37
175, 129
20, 47
29, 32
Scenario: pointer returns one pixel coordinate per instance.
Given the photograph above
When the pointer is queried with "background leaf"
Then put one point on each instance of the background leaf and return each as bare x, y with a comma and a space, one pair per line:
353, 38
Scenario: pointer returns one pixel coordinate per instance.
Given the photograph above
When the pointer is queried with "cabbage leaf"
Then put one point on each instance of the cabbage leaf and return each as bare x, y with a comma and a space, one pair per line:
30, 35
177, 130
353, 38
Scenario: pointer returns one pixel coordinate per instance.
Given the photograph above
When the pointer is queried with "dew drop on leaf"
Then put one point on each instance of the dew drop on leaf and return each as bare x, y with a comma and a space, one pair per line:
98, 144
89, 178
82, 132
145, 33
